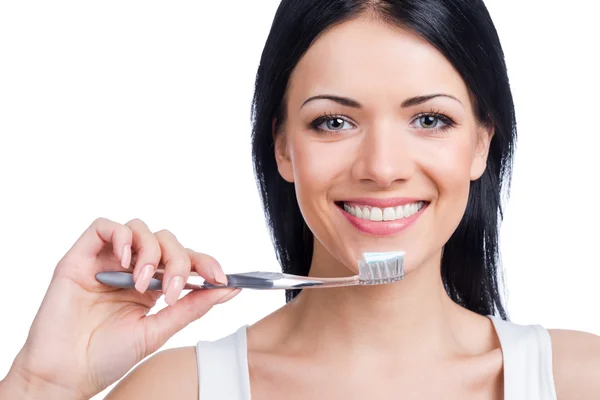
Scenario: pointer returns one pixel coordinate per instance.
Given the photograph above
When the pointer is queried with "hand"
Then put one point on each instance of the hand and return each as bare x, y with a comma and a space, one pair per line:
85, 335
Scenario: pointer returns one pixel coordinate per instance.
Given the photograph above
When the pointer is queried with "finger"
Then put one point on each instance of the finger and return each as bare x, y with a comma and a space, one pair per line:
207, 267
147, 300
147, 256
170, 320
177, 265
100, 233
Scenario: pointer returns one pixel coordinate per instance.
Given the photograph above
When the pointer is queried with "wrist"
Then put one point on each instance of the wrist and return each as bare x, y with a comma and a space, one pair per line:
20, 385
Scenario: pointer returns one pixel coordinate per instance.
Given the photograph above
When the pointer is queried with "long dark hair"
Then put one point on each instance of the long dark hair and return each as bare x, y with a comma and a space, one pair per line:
463, 31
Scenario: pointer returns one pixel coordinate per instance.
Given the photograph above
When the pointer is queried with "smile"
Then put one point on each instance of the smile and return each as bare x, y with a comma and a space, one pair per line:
382, 217
369, 213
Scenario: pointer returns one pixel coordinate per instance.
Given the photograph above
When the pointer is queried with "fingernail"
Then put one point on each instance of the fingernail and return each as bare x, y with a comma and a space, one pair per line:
174, 290
220, 277
137, 271
229, 296
126, 256
143, 280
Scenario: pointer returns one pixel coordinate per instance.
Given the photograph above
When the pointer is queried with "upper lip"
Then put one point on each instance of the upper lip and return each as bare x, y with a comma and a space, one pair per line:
383, 203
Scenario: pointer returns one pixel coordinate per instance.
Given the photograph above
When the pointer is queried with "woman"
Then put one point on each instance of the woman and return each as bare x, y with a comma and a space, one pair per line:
360, 106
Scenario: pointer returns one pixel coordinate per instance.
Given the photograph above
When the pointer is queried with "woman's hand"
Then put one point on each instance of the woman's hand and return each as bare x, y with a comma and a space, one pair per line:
85, 335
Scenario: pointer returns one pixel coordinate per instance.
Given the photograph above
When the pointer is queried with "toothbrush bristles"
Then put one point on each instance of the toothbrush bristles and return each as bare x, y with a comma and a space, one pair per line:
380, 268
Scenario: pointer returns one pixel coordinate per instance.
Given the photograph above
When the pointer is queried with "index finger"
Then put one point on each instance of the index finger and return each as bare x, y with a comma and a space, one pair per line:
207, 267
100, 233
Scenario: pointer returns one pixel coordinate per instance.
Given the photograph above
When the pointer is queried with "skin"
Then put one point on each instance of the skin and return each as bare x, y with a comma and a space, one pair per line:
351, 343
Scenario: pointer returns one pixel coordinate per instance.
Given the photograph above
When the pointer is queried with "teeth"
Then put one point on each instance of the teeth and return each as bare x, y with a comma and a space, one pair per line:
358, 212
376, 214
399, 212
386, 214
389, 214
366, 214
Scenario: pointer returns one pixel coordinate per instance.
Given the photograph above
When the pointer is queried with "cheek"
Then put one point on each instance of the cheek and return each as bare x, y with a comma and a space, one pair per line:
449, 167
317, 166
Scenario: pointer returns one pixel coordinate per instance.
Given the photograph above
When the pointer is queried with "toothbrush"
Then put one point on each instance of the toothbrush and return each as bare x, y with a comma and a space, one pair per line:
374, 268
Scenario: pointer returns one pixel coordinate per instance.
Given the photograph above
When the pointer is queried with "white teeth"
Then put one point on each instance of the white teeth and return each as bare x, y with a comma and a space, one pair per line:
399, 212
387, 214
366, 214
376, 214
358, 212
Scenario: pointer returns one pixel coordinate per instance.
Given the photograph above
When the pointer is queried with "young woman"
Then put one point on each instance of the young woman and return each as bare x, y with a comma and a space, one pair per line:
378, 125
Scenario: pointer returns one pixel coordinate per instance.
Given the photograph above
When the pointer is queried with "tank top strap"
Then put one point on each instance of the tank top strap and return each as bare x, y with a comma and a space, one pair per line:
527, 353
223, 367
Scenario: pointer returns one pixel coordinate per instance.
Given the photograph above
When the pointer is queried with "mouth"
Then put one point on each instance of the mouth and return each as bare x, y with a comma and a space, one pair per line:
382, 217
371, 213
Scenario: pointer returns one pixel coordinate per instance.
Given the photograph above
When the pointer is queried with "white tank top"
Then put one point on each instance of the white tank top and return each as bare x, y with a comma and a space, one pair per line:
526, 349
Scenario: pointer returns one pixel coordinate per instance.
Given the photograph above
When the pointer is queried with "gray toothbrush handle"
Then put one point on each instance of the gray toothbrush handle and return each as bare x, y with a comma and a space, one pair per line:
124, 280
248, 280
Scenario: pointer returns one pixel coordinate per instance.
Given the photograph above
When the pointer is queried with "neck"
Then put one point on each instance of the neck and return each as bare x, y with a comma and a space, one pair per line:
413, 316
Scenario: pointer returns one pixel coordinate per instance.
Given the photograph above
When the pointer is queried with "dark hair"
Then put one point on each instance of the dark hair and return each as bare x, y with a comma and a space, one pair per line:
463, 31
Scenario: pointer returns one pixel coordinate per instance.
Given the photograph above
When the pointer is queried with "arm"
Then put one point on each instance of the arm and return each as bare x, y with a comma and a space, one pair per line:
576, 364
169, 374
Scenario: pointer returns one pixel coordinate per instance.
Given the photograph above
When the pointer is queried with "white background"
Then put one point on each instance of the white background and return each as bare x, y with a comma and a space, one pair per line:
128, 109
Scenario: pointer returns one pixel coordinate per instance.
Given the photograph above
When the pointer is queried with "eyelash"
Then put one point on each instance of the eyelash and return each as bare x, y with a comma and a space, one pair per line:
448, 122
324, 118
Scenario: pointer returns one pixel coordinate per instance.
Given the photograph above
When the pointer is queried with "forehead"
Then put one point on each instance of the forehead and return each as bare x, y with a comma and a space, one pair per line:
368, 59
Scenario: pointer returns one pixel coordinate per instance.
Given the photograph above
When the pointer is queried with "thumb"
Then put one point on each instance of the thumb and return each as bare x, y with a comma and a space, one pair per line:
171, 319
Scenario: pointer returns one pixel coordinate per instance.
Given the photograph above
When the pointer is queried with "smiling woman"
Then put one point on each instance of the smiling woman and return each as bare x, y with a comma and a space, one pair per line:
372, 103
378, 126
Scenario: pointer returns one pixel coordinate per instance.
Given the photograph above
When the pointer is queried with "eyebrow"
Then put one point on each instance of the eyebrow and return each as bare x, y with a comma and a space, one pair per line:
347, 102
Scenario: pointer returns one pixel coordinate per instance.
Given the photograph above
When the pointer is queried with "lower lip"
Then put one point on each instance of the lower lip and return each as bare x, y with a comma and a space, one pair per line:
382, 228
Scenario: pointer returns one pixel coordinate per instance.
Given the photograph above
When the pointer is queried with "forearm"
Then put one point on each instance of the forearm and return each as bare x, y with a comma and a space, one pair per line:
18, 385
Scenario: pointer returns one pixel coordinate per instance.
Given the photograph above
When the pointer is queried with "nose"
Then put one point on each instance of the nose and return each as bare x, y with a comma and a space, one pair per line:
384, 157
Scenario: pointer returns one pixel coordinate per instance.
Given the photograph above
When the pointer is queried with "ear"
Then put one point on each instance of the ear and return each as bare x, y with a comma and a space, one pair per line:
482, 148
282, 154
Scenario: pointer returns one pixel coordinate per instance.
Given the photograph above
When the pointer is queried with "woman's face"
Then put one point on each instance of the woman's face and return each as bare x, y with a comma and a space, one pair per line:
381, 143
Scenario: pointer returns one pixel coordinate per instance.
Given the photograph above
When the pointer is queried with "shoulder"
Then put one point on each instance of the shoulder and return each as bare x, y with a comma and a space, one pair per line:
576, 364
170, 373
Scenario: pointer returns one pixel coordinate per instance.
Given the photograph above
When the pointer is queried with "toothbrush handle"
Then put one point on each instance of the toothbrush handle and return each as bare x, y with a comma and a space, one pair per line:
250, 280
124, 280
247, 280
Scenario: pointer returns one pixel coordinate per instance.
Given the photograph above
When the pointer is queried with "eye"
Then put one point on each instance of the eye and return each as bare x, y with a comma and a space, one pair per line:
433, 121
331, 123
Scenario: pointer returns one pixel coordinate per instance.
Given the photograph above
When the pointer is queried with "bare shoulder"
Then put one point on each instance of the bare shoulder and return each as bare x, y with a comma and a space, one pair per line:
576, 364
167, 374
